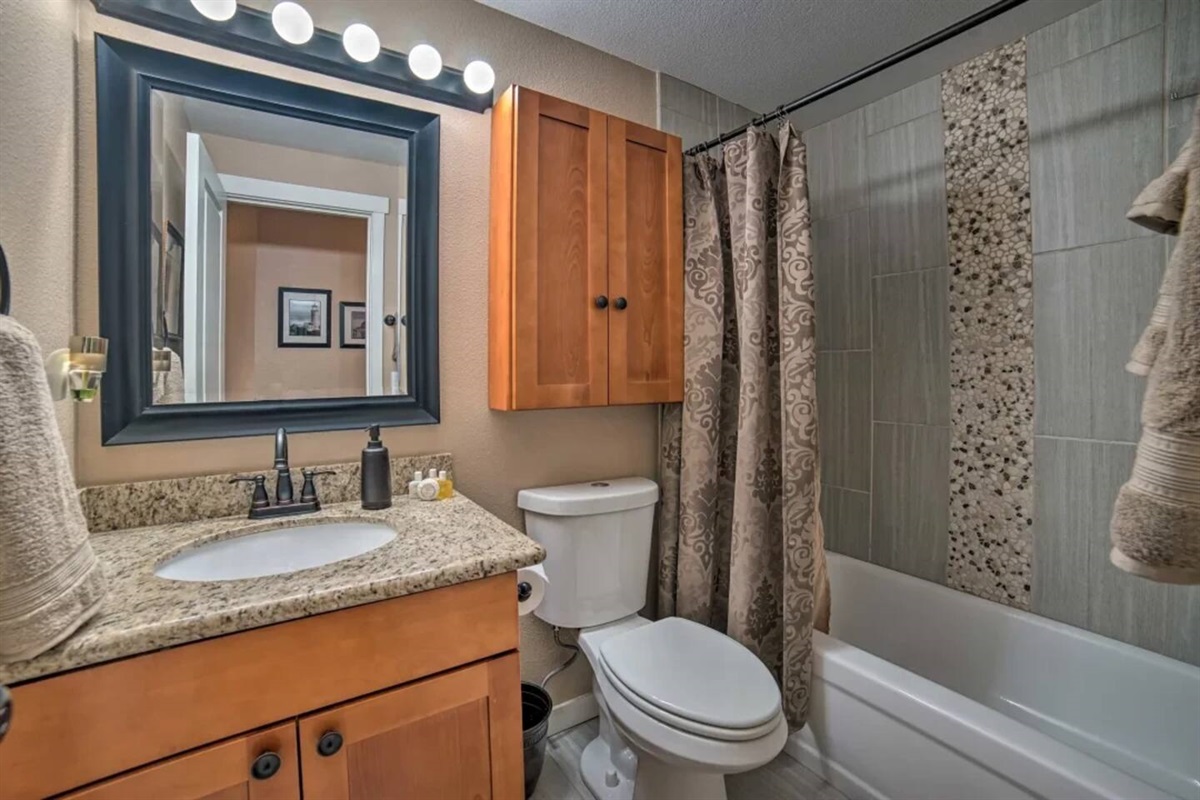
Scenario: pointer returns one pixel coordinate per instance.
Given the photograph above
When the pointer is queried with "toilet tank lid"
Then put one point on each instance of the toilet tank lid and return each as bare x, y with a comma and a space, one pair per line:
593, 497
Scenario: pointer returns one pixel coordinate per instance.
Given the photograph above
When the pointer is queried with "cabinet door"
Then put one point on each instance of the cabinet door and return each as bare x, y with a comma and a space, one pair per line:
645, 264
559, 227
456, 736
221, 772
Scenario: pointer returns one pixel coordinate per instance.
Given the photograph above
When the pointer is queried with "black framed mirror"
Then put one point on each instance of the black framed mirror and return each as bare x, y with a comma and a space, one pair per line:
237, 218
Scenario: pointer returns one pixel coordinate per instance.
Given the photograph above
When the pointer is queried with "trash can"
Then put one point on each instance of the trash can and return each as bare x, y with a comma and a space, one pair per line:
535, 721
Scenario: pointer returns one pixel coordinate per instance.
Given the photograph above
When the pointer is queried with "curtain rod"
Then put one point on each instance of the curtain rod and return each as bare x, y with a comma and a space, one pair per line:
962, 26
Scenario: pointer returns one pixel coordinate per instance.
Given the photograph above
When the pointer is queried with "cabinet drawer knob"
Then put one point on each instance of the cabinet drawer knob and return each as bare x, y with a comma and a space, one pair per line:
265, 766
601, 301
329, 743
620, 303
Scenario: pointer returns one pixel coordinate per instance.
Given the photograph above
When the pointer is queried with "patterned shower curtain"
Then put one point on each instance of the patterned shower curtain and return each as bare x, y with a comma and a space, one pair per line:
740, 533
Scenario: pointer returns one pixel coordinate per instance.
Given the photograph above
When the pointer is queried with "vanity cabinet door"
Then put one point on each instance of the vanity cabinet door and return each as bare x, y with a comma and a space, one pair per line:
548, 323
258, 766
454, 736
645, 265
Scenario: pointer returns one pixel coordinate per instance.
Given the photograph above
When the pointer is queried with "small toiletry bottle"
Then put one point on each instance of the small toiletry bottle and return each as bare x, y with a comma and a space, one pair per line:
376, 473
445, 487
418, 476
428, 489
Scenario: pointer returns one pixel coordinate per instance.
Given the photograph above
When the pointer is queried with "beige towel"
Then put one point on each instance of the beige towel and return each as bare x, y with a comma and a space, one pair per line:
168, 386
1160, 208
50, 583
1156, 521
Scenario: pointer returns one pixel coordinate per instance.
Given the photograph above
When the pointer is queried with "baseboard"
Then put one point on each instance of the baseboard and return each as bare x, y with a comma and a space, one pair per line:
838, 776
575, 711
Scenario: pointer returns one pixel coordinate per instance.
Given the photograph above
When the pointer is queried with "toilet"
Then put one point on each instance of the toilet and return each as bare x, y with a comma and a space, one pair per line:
681, 705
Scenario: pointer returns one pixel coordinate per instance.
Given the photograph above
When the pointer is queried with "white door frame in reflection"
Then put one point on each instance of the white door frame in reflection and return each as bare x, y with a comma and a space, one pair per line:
373, 208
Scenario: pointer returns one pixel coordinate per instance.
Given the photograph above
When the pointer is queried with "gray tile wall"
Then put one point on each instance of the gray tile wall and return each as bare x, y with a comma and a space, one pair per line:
839, 197
1110, 97
877, 191
1110, 93
693, 114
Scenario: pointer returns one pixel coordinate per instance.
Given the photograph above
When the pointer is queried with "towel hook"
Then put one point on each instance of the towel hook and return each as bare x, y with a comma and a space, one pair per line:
5, 285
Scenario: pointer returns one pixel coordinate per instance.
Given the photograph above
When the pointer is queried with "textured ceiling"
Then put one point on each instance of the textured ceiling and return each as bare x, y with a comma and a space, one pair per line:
759, 53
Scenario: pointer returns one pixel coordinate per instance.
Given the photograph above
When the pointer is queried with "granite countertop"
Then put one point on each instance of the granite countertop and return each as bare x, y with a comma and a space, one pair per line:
438, 544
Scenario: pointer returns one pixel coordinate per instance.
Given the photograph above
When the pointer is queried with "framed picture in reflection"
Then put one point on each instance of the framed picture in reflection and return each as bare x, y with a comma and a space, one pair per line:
304, 317
354, 324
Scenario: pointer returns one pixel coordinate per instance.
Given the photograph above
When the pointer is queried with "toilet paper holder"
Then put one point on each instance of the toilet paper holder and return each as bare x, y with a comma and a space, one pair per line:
524, 591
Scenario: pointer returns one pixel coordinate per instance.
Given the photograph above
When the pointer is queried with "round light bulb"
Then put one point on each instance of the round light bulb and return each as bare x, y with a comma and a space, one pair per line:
292, 22
361, 43
425, 62
216, 10
479, 77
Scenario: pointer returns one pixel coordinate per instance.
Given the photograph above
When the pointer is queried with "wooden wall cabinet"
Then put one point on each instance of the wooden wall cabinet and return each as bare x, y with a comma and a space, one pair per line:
586, 258
413, 697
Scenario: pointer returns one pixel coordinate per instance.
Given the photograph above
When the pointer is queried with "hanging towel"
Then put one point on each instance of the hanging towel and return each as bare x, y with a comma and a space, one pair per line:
50, 582
168, 386
1160, 208
1156, 521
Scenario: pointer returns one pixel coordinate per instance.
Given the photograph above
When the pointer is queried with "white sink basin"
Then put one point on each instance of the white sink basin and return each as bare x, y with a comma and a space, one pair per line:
276, 552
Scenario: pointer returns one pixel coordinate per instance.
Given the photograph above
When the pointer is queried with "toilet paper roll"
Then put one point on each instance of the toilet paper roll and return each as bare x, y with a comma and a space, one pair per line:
535, 578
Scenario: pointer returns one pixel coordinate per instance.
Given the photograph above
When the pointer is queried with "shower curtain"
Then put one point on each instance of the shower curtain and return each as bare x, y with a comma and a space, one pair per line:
739, 529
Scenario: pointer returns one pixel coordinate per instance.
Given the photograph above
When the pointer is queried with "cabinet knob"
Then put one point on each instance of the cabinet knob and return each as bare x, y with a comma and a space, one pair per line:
265, 766
329, 743
601, 301
620, 303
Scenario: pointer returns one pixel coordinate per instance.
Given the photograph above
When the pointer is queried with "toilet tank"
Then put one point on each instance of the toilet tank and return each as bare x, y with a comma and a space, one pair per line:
597, 540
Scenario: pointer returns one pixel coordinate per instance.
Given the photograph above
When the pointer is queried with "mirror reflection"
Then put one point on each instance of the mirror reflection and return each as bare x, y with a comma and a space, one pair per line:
278, 256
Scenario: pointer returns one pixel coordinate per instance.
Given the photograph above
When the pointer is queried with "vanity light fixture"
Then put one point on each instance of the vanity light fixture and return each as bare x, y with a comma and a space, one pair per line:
479, 77
292, 22
216, 10
361, 42
425, 62
285, 32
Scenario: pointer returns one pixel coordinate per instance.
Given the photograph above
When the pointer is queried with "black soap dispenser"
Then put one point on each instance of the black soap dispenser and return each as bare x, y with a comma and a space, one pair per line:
376, 473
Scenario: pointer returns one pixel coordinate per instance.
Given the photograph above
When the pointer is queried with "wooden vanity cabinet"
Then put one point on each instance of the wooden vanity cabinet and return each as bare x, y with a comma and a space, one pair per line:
223, 771
412, 697
586, 258
429, 739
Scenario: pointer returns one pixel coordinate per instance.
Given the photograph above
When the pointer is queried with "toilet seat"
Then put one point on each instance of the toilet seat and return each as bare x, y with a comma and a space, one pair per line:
683, 723
693, 679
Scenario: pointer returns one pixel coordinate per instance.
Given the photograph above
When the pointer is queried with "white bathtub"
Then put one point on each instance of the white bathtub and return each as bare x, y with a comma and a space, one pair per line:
926, 693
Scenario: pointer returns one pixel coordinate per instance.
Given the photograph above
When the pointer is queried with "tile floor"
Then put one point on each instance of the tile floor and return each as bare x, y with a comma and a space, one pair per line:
782, 779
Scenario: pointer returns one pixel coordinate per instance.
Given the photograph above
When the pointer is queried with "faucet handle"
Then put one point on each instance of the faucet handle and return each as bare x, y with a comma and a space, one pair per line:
308, 494
260, 489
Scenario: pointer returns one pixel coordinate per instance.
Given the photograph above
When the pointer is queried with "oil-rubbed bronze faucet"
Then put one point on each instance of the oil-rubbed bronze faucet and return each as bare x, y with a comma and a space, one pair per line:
286, 504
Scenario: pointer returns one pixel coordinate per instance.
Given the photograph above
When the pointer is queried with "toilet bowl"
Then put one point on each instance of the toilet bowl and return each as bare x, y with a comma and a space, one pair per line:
681, 705
688, 704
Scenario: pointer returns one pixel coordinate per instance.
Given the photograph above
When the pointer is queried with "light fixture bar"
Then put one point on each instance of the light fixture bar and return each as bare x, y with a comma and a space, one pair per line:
250, 31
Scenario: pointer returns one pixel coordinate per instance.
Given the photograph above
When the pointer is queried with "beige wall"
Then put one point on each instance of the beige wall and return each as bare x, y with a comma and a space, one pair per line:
37, 170
269, 248
495, 454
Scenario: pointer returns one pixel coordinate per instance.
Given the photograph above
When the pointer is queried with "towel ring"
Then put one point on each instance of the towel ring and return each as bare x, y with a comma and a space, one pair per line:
5, 285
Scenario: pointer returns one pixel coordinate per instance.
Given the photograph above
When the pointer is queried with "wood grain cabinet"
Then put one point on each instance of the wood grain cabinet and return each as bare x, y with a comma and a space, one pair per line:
586, 278
429, 739
258, 766
413, 697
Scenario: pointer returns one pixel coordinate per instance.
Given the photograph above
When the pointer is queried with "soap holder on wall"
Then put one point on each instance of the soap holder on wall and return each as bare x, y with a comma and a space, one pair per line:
74, 373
